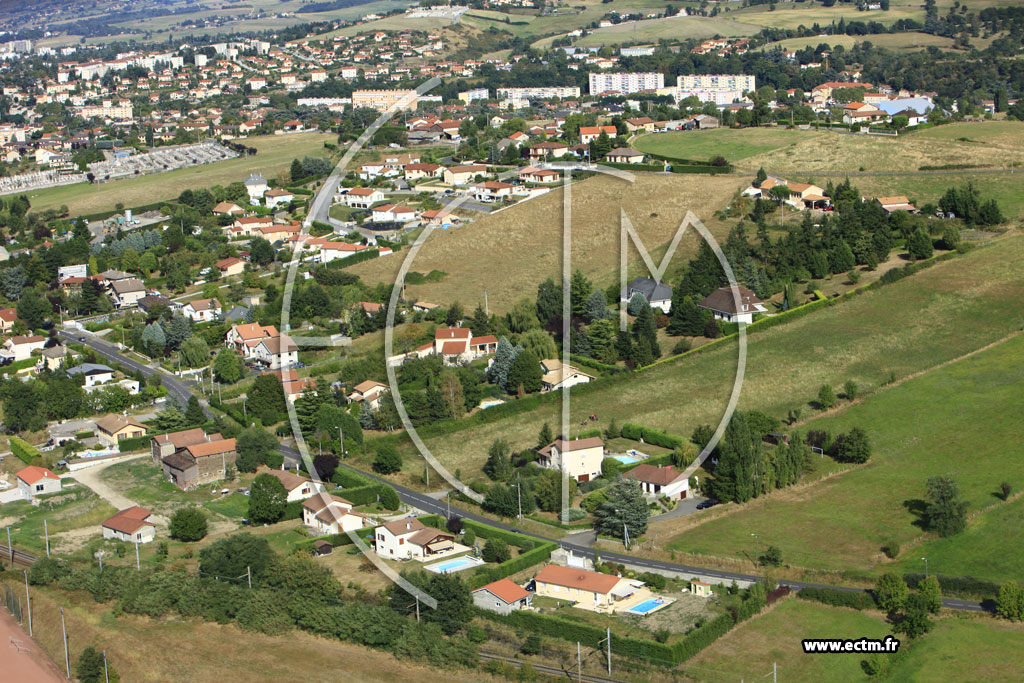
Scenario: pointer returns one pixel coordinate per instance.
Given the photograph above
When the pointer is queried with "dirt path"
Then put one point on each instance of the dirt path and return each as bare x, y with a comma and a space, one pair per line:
91, 477
20, 658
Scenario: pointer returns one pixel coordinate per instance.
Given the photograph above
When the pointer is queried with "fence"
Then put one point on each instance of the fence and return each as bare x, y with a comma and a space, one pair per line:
13, 603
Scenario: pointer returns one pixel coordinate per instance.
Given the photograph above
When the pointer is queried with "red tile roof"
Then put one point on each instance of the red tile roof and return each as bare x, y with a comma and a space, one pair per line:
129, 521
578, 578
506, 590
31, 474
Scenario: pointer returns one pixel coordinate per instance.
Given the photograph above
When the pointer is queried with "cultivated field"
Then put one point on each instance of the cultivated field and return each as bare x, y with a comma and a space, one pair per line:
864, 339
909, 41
143, 649
965, 649
275, 156
794, 15
568, 18
511, 252
956, 420
653, 30
733, 144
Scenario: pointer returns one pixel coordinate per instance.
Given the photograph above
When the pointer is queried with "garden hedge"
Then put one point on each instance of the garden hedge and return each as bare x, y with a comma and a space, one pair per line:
837, 598
25, 451
652, 436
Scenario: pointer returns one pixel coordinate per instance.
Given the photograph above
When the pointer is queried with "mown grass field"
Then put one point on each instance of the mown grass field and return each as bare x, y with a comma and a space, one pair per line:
965, 649
143, 649
528, 238
749, 651
733, 144
956, 420
1005, 187
672, 28
793, 15
566, 20
902, 328
274, 157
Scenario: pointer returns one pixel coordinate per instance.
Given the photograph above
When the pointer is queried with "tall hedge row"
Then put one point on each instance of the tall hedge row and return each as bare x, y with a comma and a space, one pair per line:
652, 436
25, 451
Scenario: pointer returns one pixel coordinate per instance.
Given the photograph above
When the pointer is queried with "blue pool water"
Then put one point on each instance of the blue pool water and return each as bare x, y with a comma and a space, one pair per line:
455, 565
646, 606
625, 459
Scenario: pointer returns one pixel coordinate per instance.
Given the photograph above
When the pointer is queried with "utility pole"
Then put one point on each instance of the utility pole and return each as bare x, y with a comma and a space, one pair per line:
609, 639
579, 663
101, 560
9, 546
417, 608
28, 601
46, 531
775, 672
487, 310
755, 548
519, 497
341, 442
67, 659
138, 566
248, 576
106, 672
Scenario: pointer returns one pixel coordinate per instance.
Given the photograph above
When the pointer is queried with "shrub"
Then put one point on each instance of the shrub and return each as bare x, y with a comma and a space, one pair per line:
188, 524
496, 550
891, 549
532, 645
387, 460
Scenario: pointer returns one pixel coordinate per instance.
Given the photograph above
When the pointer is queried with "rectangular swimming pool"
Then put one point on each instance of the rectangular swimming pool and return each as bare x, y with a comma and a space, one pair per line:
454, 565
626, 459
647, 606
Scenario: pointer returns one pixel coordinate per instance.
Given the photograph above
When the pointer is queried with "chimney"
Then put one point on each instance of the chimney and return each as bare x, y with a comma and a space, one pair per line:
408, 526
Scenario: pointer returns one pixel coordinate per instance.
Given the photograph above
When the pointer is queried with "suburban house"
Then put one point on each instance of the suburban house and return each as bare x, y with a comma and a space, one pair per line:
199, 463
580, 459
532, 174
393, 212
558, 376
896, 203
256, 185
202, 310
660, 481
418, 171
363, 197
130, 526
862, 112
94, 373
590, 133
125, 293
409, 538
805, 195
37, 481
733, 304
298, 488
328, 514
110, 429
644, 123
585, 589
454, 344
52, 357
227, 209
163, 445
463, 175
244, 338
368, 392
276, 352
7, 318
278, 196
543, 151
502, 596
291, 383
230, 266
247, 226
329, 251
492, 191
658, 294
439, 217
21, 347
624, 155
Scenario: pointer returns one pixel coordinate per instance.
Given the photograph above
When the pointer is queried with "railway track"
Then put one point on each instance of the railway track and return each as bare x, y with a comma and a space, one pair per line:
16, 557
568, 674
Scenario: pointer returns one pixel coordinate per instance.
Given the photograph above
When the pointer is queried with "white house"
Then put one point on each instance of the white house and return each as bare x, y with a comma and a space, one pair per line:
298, 488
580, 459
202, 310
660, 481
125, 293
130, 526
330, 515
21, 347
369, 392
723, 303
94, 373
37, 481
393, 212
276, 352
244, 338
409, 538
278, 196
658, 294
363, 197
557, 376
256, 186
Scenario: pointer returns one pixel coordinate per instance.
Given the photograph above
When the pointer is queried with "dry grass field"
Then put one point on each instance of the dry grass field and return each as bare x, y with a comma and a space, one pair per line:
864, 339
158, 651
653, 30
908, 41
511, 252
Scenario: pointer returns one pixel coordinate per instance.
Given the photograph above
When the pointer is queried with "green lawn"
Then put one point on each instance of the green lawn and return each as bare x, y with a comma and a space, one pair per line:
275, 156
794, 15
1005, 187
909, 41
959, 419
733, 144
653, 30
749, 651
965, 649
903, 328
145, 483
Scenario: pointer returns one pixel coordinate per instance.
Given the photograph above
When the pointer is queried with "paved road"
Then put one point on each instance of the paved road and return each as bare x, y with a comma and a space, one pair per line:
427, 503
686, 506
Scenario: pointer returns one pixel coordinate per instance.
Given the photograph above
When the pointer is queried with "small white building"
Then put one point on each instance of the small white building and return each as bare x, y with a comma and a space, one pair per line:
37, 481
202, 310
557, 376
409, 538
660, 481
94, 373
130, 526
328, 514
502, 596
298, 488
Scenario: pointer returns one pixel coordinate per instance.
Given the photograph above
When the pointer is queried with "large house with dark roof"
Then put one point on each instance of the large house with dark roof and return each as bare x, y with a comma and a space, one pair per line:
734, 304
409, 538
658, 294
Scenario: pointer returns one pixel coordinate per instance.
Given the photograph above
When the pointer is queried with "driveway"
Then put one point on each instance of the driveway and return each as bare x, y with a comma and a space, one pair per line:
90, 477
687, 506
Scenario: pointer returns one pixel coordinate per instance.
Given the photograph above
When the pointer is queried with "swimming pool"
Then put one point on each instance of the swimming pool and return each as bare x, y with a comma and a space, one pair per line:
625, 459
647, 606
455, 565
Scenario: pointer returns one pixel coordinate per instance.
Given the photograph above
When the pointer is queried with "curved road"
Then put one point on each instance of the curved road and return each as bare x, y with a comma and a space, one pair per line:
182, 391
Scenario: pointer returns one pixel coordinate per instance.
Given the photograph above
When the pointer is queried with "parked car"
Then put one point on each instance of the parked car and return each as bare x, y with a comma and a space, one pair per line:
704, 504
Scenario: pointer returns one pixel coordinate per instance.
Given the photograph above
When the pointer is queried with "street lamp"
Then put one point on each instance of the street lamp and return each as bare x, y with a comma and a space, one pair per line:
755, 548
625, 531
925, 567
